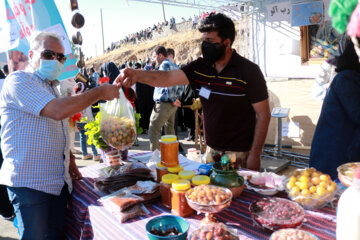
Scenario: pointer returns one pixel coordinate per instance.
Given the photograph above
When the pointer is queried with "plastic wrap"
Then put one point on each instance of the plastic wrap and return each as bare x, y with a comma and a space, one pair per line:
265, 183
144, 187
120, 200
117, 124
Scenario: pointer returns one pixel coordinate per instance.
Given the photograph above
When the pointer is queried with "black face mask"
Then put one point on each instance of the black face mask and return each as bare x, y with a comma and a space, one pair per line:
212, 52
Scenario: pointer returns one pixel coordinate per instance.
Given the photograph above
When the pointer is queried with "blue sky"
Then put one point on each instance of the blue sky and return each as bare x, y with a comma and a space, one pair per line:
119, 19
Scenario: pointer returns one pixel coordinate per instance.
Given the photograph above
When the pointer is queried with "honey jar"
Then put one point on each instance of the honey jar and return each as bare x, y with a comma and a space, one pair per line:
161, 170
179, 204
186, 174
200, 180
165, 189
175, 170
169, 147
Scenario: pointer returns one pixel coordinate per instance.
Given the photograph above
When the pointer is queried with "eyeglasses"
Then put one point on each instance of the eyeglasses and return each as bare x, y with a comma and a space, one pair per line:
49, 55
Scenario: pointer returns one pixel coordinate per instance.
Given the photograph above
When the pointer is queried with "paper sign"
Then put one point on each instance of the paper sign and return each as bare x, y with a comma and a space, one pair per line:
290, 129
308, 13
279, 12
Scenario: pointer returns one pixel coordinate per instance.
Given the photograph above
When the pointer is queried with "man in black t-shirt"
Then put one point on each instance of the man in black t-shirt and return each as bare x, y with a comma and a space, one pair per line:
232, 91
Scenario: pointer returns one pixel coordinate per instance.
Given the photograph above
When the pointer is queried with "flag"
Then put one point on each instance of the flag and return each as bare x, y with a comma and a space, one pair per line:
22, 19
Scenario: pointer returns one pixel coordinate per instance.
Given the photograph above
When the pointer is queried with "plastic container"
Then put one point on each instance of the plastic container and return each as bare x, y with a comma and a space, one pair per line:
194, 155
175, 170
167, 221
111, 157
200, 180
348, 211
161, 170
169, 147
165, 189
179, 204
186, 174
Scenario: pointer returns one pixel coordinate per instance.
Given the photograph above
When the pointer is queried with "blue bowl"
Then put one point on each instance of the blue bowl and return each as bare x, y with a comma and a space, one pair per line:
168, 221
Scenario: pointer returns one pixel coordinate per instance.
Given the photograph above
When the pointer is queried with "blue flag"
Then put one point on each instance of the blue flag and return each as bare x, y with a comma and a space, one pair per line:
21, 19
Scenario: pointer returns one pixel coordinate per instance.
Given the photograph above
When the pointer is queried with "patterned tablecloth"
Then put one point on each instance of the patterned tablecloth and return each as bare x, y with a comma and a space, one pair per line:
87, 219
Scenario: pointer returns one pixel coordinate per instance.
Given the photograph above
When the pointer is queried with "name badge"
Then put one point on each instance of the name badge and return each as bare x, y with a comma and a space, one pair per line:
204, 92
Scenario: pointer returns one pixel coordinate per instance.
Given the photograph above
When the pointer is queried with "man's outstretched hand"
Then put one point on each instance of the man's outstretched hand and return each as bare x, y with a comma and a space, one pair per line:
127, 77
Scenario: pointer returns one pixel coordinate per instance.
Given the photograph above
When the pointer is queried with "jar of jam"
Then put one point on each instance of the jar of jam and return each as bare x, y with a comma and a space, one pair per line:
186, 174
161, 170
175, 170
165, 189
200, 180
179, 204
169, 147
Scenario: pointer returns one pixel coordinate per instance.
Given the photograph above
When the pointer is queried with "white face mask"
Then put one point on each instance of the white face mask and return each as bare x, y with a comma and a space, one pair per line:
50, 69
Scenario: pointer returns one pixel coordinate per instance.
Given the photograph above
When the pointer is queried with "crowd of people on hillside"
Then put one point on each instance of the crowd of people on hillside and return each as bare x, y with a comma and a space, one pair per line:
147, 33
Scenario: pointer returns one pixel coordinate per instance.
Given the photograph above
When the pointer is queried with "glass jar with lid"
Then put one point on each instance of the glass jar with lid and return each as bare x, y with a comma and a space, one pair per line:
179, 204
200, 180
186, 174
169, 147
161, 170
165, 189
175, 170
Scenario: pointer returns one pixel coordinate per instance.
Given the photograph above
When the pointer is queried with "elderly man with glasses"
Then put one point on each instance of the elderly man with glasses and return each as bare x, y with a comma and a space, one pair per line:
38, 166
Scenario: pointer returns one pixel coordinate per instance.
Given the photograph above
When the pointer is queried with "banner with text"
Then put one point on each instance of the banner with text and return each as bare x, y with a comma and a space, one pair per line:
23, 18
279, 12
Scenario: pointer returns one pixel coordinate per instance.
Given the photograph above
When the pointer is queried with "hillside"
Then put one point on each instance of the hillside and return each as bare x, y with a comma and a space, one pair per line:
185, 41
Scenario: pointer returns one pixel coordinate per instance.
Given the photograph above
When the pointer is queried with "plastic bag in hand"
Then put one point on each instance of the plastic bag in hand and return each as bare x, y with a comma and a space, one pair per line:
117, 124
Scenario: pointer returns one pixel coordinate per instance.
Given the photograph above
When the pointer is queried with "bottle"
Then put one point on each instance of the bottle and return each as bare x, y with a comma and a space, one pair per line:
348, 211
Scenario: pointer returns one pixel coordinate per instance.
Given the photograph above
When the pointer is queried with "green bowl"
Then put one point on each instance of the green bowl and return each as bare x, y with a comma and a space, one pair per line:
168, 221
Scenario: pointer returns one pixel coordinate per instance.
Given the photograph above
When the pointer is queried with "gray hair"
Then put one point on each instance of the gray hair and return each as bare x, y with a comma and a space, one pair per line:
38, 40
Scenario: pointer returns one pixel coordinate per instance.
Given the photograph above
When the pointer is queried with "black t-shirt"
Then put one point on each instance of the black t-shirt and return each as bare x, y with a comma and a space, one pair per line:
229, 117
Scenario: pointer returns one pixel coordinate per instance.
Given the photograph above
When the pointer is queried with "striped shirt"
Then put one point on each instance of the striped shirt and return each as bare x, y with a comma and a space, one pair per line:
35, 148
168, 94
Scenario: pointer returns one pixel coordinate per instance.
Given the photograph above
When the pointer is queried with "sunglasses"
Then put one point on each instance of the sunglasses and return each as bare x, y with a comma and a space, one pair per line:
49, 55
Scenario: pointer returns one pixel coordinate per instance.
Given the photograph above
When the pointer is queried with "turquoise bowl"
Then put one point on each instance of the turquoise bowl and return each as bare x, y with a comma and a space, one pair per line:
168, 221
